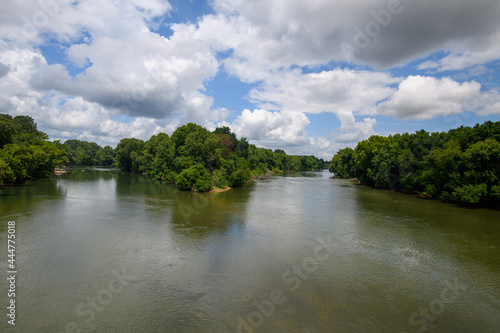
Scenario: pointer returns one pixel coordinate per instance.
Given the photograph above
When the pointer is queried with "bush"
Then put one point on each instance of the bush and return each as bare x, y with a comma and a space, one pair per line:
219, 179
430, 190
470, 194
495, 192
240, 177
195, 178
170, 176
6, 174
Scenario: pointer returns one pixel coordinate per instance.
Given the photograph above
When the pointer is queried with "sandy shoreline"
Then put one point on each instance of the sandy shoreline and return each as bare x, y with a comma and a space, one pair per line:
220, 190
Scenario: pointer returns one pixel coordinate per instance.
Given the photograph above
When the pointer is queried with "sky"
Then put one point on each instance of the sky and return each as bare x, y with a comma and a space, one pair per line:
310, 77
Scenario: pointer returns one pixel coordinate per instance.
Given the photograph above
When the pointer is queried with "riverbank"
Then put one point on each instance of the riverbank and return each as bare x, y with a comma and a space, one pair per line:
218, 190
263, 176
423, 196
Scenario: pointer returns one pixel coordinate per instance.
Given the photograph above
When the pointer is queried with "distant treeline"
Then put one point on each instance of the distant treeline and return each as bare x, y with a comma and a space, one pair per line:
83, 153
193, 158
462, 165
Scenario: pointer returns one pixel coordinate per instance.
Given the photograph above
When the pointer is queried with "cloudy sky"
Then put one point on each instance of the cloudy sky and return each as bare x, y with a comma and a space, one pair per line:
307, 76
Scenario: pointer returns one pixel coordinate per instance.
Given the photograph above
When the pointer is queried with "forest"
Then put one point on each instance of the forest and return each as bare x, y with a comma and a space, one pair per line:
460, 166
192, 158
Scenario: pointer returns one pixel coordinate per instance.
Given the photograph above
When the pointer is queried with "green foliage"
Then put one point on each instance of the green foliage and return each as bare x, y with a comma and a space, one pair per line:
230, 138
26, 153
462, 165
83, 153
192, 157
105, 157
241, 148
181, 133
19, 130
241, 176
129, 154
159, 155
195, 178
8, 129
470, 194
219, 179
364, 155
196, 159
343, 163
495, 192
7, 176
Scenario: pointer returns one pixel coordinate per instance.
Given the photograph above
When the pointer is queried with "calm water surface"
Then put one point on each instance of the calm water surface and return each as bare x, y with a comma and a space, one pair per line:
105, 251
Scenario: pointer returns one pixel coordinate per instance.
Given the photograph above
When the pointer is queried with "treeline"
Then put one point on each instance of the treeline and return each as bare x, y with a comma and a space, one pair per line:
193, 158
461, 166
83, 153
25, 152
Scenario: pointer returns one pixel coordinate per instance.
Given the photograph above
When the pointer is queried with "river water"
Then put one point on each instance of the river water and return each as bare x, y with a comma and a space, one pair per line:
106, 251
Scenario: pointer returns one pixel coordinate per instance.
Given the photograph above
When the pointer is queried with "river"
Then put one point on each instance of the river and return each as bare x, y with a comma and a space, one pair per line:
106, 251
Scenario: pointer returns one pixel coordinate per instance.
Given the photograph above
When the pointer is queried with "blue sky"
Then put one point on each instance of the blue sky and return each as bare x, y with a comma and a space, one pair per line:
309, 77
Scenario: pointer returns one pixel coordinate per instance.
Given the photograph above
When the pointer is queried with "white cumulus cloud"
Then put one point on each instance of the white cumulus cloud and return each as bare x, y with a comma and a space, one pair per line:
423, 97
337, 91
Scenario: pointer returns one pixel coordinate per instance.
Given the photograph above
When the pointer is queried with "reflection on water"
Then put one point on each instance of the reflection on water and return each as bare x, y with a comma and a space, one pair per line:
295, 253
199, 215
16, 200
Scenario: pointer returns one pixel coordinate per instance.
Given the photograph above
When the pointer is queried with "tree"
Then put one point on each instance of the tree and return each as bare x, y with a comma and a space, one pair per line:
180, 134
26, 152
241, 176
27, 130
88, 153
124, 155
441, 169
7, 176
226, 132
8, 128
365, 151
343, 163
105, 157
241, 148
159, 153
481, 165
31, 161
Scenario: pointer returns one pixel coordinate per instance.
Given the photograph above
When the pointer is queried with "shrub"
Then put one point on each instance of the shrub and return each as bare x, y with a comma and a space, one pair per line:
470, 194
6, 174
240, 177
195, 178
